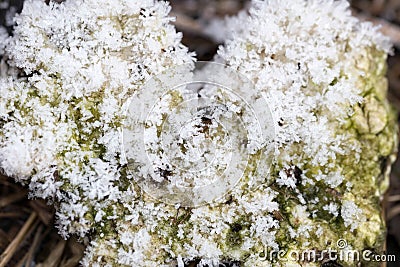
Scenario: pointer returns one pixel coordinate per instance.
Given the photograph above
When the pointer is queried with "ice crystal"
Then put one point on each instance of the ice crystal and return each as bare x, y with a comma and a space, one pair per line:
71, 68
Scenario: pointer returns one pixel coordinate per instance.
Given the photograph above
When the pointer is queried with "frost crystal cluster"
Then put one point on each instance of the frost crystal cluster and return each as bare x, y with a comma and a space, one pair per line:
72, 67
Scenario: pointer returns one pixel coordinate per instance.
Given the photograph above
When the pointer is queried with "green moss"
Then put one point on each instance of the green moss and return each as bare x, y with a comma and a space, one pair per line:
235, 233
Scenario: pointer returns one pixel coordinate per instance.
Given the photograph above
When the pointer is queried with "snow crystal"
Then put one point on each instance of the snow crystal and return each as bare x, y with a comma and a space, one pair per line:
71, 68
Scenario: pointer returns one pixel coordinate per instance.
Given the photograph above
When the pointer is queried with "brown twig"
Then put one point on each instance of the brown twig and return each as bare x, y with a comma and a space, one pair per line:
13, 246
393, 212
187, 24
76, 250
55, 255
32, 249
44, 212
14, 214
393, 198
5, 201
22, 261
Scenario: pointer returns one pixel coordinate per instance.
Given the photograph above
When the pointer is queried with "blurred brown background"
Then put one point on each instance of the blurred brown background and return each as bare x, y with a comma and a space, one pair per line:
27, 234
